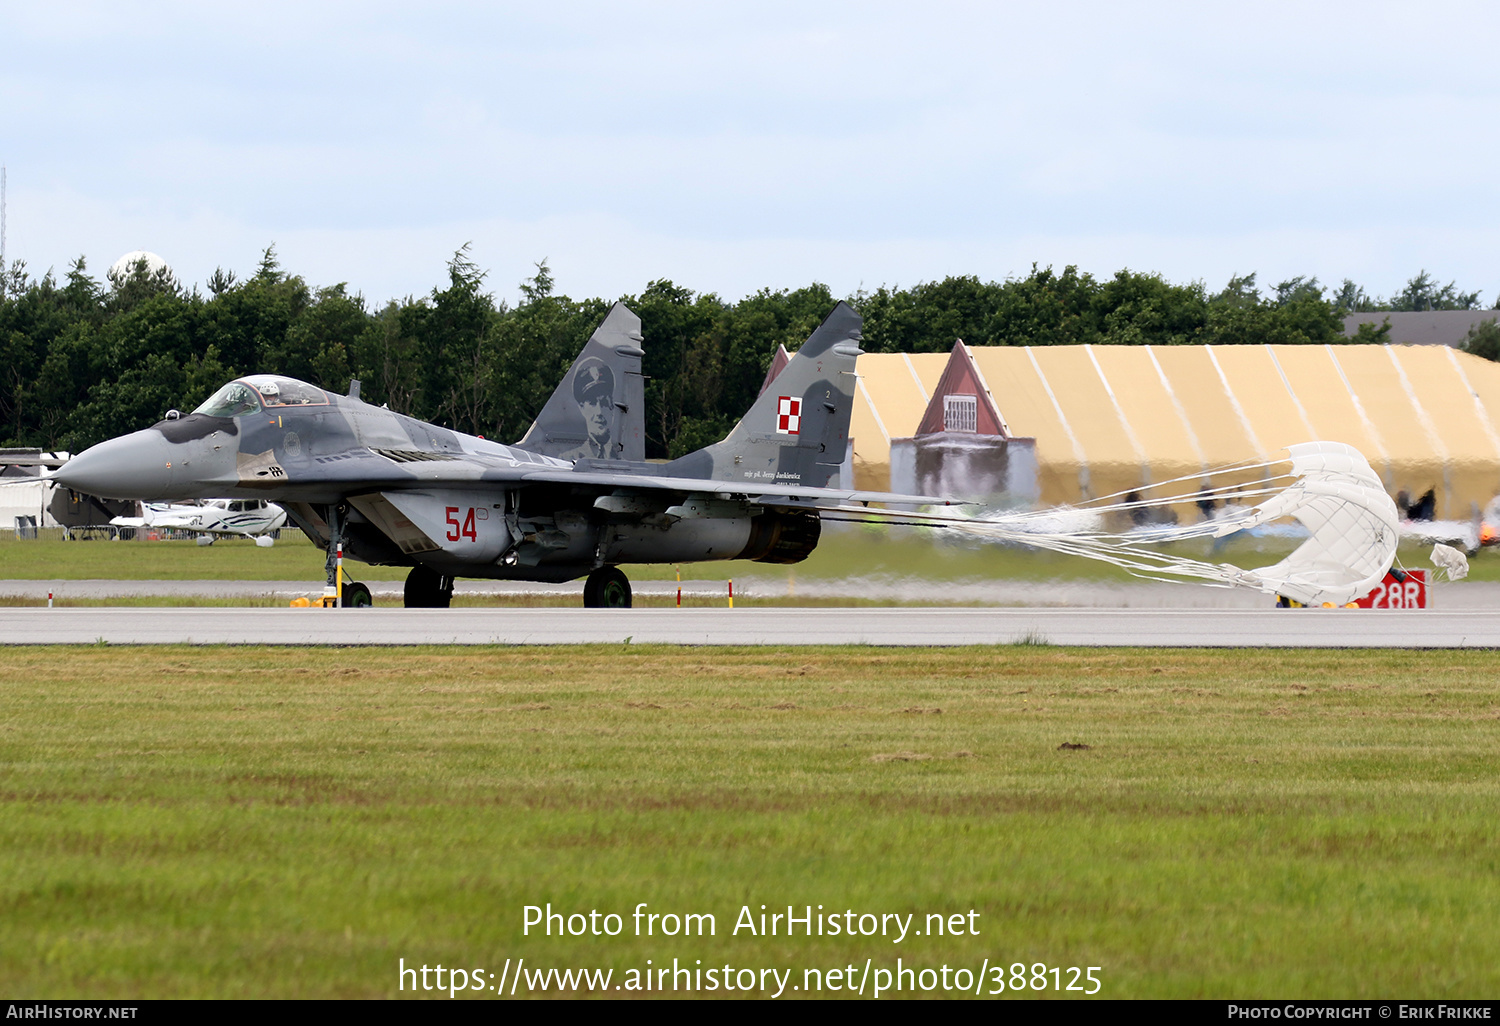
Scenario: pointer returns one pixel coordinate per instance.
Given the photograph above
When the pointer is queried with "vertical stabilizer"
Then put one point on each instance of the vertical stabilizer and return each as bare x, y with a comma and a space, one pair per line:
797, 432
779, 360
599, 409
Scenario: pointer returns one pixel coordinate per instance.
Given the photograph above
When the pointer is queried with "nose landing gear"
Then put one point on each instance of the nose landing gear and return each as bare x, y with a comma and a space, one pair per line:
352, 594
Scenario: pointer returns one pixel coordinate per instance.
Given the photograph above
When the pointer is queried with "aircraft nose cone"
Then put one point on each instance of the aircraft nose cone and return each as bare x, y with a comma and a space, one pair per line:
134, 466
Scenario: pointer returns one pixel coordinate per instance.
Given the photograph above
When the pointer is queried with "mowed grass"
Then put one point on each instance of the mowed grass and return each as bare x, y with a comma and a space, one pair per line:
51, 558
842, 552
845, 551
497, 601
185, 822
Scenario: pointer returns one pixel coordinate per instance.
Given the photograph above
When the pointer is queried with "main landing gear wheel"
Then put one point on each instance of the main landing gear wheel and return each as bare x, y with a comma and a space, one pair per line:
607, 589
357, 596
427, 589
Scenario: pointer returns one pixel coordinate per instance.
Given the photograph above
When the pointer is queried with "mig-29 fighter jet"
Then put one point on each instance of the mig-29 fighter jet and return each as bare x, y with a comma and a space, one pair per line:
572, 499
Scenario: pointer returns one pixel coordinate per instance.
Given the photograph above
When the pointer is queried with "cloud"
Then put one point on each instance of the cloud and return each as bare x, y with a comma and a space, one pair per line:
731, 149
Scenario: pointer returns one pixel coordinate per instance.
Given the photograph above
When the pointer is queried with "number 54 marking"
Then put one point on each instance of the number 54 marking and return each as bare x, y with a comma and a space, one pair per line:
456, 531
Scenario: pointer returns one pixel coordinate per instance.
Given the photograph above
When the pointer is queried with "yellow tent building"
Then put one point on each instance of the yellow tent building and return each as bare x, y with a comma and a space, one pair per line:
894, 390
1067, 423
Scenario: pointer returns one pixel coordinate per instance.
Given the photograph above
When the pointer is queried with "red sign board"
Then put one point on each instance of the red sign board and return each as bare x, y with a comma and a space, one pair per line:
1401, 589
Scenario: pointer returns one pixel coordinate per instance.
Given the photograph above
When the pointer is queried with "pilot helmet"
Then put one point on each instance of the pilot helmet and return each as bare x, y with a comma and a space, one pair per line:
593, 380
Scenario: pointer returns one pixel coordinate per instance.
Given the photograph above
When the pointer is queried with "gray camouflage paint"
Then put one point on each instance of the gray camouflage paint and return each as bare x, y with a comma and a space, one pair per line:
412, 493
821, 378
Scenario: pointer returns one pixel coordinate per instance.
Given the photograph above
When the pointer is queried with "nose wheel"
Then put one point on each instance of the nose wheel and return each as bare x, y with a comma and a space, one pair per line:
607, 588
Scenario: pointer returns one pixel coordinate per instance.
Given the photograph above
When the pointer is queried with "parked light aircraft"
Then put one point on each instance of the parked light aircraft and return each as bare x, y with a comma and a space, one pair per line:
573, 498
239, 518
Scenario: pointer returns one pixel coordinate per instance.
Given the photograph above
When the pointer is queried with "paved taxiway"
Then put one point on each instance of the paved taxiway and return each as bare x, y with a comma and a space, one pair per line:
1310, 628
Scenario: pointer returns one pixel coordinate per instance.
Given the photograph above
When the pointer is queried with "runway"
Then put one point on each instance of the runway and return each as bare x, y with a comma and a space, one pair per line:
927, 626
1094, 594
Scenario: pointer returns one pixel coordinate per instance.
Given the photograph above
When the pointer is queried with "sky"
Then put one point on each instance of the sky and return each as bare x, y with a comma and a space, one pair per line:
735, 147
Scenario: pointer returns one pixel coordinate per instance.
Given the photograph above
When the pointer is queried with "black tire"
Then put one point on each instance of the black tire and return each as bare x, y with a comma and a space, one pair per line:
357, 596
427, 589
607, 589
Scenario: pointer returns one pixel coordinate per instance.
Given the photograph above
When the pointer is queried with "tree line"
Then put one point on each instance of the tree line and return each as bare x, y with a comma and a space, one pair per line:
82, 360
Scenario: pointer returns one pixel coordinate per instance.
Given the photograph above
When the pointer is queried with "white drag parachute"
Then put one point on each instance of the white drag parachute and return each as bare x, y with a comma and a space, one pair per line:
1450, 561
1352, 523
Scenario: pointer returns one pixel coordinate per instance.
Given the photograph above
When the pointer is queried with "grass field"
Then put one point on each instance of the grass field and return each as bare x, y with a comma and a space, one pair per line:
499, 601
844, 552
239, 822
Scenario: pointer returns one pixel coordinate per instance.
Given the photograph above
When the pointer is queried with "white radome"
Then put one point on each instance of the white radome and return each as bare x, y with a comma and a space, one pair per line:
122, 267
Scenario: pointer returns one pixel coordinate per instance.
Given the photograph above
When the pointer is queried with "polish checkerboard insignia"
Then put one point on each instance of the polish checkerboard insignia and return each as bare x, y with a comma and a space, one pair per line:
788, 415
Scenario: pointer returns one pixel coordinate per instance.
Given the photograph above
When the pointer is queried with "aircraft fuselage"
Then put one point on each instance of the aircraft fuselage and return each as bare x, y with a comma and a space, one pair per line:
412, 493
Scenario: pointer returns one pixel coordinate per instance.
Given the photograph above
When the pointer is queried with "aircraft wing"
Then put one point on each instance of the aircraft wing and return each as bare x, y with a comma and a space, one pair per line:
367, 469
162, 520
25, 458
791, 494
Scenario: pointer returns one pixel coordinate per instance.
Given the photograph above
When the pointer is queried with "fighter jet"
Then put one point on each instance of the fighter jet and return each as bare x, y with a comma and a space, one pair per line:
573, 498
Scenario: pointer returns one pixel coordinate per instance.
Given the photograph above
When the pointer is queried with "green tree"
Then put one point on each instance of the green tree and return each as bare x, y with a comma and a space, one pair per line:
1351, 298
930, 316
83, 362
753, 328
138, 363
1297, 314
1298, 288
1484, 340
248, 323
1043, 309
136, 284
33, 315
685, 348
534, 345
1146, 309
456, 342
385, 357
1423, 293
318, 343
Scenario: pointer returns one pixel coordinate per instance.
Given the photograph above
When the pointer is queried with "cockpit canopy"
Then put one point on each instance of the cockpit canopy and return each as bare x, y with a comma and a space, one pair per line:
249, 394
